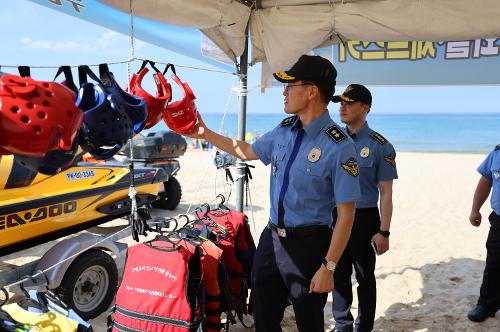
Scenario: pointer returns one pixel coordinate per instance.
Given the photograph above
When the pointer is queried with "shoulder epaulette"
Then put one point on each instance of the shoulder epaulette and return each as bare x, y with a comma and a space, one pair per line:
497, 147
379, 138
288, 121
336, 133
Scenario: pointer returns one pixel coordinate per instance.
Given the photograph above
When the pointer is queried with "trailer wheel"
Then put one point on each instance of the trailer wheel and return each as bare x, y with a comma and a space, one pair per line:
89, 285
171, 197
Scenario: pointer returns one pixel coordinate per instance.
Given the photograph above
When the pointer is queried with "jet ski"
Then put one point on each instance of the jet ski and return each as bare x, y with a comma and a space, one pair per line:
35, 208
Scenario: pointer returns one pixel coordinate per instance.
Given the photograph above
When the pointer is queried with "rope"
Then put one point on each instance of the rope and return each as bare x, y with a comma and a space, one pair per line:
190, 67
123, 62
39, 273
72, 66
132, 191
251, 207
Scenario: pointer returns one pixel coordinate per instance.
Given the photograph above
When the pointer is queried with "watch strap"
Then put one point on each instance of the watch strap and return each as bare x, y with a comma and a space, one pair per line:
384, 233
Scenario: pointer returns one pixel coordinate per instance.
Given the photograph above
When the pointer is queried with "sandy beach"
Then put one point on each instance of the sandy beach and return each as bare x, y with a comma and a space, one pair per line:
431, 275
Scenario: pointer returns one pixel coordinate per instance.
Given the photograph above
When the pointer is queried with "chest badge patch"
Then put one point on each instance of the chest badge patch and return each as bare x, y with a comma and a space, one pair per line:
314, 155
365, 152
351, 166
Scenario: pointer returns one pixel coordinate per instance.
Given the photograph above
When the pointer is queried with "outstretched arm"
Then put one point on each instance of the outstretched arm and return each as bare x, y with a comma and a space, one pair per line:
239, 149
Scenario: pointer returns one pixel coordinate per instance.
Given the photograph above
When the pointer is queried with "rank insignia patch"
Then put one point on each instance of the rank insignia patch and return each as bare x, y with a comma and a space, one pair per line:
497, 147
288, 121
335, 133
379, 138
391, 159
351, 166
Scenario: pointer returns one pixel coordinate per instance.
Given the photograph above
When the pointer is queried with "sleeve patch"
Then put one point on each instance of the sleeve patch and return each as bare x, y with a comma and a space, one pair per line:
497, 147
335, 133
288, 121
351, 166
379, 138
391, 159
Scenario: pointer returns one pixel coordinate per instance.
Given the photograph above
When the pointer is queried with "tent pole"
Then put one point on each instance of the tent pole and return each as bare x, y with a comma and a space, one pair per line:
242, 114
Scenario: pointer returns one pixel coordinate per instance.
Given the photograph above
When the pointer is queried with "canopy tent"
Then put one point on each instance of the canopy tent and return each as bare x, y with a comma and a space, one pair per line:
282, 30
412, 35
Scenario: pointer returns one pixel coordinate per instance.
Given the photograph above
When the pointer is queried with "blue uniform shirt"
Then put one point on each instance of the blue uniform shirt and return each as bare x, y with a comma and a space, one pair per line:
490, 169
376, 162
311, 168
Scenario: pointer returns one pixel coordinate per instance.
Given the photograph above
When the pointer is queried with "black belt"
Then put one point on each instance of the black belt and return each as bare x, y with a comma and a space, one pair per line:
297, 232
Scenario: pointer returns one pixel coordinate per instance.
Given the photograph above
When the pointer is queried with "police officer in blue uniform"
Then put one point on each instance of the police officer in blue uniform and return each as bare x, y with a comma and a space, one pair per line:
489, 296
313, 164
370, 232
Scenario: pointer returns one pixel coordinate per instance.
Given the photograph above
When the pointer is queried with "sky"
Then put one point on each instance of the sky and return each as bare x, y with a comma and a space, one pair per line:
36, 35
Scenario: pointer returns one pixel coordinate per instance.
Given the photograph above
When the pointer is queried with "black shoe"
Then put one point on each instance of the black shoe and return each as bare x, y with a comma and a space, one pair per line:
343, 329
479, 314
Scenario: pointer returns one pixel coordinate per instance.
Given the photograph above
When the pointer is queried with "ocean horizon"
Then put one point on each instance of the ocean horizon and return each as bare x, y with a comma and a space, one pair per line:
433, 132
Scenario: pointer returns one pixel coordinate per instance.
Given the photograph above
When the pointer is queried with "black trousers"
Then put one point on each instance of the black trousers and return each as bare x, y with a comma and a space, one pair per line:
490, 288
282, 272
358, 253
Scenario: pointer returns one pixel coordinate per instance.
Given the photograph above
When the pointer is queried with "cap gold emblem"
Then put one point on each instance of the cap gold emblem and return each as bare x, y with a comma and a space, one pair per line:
284, 76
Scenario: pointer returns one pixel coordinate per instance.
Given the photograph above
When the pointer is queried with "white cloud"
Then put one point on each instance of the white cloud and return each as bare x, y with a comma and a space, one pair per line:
110, 37
68, 45
107, 40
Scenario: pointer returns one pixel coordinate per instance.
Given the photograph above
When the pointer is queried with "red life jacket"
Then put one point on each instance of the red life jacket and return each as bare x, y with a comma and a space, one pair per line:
217, 293
238, 249
160, 288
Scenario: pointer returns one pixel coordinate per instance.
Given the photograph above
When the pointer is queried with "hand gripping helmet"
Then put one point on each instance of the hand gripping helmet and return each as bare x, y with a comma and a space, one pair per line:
181, 116
155, 105
36, 117
106, 125
135, 107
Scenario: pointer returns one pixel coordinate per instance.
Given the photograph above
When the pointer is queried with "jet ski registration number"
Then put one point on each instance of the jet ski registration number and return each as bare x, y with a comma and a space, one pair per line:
79, 175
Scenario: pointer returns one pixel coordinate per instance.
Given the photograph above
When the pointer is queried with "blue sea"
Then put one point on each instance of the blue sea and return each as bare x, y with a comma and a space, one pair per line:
459, 133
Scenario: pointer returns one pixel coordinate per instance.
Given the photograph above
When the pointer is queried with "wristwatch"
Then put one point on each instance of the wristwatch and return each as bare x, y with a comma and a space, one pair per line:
330, 265
384, 233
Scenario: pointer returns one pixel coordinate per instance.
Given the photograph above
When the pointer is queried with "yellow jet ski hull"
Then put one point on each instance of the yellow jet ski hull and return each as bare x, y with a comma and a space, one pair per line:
33, 204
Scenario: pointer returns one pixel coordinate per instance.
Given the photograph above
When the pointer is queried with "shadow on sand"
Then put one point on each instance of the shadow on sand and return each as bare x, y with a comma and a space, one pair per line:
449, 290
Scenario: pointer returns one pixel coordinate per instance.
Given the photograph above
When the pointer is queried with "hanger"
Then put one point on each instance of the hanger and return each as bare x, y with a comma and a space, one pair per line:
28, 301
47, 295
221, 205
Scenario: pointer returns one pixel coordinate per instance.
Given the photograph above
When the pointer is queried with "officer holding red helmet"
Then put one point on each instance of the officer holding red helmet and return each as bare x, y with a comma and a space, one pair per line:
313, 164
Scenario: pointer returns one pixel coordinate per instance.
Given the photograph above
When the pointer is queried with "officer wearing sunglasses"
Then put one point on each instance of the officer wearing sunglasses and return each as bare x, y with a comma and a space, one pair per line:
313, 164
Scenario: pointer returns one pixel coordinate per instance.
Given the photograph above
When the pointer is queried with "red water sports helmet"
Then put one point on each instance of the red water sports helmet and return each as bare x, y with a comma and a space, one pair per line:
36, 117
156, 105
181, 116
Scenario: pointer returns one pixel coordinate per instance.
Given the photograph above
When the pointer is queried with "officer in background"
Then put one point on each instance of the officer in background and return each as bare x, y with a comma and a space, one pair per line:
489, 295
313, 164
370, 232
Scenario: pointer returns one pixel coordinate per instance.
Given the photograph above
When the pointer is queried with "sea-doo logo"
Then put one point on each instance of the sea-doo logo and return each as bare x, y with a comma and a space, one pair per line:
41, 213
87, 174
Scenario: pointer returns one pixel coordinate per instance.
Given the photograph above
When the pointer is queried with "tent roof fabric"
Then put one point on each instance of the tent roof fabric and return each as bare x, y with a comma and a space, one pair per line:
282, 30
